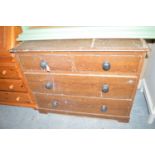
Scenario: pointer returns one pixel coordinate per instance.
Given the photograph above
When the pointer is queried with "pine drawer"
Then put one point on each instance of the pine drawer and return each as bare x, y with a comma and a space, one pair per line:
9, 71
14, 98
12, 85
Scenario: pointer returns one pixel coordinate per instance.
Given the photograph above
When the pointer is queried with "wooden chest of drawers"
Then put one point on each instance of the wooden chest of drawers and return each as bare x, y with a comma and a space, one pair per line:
92, 77
13, 89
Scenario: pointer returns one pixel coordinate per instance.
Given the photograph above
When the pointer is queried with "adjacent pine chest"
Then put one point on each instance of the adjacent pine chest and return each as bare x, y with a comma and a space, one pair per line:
13, 89
87, 77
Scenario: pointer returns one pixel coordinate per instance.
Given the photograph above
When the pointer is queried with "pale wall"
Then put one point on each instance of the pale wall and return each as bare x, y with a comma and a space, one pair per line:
149, 74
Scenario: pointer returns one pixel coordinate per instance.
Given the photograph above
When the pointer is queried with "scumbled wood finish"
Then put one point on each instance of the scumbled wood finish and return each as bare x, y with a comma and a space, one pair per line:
119, 87
82, 45
8, 35
83, 105
13, 87
82, 62
9, 71
75, 81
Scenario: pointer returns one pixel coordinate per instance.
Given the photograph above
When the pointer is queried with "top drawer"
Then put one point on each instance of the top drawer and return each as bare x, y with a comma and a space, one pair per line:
84, 62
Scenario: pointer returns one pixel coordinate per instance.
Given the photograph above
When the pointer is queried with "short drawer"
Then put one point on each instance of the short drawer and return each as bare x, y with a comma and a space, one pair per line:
40, 62
108, 64
80, 85
83, 105
12, 85
13, 97
6, 59
9, 72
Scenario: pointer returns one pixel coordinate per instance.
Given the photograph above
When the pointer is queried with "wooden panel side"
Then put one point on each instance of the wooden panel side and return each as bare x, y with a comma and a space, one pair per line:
32, 98
8, 35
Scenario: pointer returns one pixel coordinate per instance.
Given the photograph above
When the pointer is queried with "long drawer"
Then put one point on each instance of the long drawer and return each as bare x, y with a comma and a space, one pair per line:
14, 97
83, 85
83, 105
12, 85
110, 63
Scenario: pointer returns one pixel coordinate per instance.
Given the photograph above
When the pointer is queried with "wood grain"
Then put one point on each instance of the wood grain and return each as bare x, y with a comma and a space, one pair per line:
77, 75
6, 59
124, 119
55, 62
120, 64
119, 88
9, 71
13, 89
8, 35
14, 97
123, 63
83, 45
12, 85
84, 105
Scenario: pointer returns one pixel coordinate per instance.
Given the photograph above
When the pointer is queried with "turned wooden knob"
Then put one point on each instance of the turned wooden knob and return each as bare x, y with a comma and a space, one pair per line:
105, 88
55, 104
44, 65
11, 86
4, 72
18, 98
104, 108
49, 85
106, 66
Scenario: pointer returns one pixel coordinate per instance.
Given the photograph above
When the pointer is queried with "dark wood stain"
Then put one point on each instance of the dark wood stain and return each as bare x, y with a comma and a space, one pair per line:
77, 75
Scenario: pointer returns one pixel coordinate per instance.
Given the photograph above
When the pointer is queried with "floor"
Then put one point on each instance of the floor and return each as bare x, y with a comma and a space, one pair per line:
19, 118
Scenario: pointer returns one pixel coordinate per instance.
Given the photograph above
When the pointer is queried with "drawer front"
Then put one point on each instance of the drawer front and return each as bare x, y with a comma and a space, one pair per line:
73, 62
9, 72
12, 97
6, 59
107, 64
12, 85
83, 105
98, 86
39, 62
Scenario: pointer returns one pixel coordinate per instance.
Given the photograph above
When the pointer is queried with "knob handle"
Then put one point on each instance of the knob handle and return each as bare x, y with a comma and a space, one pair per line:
105, 88
18, 99
49, 85
106, 66
55, 104
104, 108
4, 72
11, 86
44, 65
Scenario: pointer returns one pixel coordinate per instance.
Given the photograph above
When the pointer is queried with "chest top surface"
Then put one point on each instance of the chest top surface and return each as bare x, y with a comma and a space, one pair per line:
83, 45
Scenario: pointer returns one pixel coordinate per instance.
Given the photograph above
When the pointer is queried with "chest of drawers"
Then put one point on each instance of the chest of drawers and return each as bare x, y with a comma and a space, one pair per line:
13, 89
89, 77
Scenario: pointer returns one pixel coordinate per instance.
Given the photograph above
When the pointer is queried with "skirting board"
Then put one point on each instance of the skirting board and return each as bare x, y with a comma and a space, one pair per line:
145, 90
